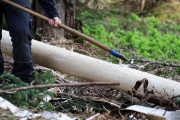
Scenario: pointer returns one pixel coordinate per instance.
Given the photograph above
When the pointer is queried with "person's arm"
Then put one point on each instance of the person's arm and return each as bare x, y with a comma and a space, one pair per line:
49, 7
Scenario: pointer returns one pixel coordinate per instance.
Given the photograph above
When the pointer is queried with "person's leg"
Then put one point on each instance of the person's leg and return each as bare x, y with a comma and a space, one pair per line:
1, 56
19, 26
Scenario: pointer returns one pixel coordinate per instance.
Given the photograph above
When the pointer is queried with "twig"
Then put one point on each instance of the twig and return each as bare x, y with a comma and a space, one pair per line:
14, 90
160, 63
120, 51
141, 59
61, 106
93, 117
104, 100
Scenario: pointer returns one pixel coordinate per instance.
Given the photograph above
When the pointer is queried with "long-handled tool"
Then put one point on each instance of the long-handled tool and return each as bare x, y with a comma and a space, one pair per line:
91, 40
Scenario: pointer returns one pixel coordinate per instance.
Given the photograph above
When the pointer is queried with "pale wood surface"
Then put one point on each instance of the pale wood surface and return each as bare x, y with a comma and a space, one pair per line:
92, 69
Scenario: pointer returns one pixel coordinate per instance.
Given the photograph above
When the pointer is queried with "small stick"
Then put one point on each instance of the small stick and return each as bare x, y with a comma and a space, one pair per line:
120, 61
14, 90
159, 63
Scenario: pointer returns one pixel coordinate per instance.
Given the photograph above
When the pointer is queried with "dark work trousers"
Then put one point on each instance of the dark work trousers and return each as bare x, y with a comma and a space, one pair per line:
19, 26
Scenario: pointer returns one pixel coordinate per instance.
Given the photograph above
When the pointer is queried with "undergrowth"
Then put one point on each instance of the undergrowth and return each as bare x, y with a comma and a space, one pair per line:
34, 98
148, 36
80, 106
28, 98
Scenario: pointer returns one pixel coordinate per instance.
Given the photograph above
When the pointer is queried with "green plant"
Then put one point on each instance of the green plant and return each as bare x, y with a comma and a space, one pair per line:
149, 37
4, 25
32, 97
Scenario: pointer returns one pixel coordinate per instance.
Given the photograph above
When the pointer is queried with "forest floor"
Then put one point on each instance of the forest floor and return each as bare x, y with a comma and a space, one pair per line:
85, 102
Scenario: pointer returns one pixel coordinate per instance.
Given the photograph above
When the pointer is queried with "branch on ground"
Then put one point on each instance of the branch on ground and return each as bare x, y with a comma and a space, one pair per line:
14, 90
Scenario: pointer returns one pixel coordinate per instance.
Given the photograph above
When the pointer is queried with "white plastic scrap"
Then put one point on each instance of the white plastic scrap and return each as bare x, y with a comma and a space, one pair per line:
54, 116
25, 114
170, 115
6, 105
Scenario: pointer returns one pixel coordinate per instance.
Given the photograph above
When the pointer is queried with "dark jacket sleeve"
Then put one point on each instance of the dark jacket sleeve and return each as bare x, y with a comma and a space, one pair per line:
49, 7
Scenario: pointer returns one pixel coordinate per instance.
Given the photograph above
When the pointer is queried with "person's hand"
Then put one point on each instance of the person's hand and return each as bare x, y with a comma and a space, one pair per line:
54, 22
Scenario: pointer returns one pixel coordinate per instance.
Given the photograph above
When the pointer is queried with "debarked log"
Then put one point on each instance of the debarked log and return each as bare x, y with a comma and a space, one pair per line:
92, 69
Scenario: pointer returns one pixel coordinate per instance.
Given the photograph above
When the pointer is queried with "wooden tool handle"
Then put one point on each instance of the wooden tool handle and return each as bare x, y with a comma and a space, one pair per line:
91, 40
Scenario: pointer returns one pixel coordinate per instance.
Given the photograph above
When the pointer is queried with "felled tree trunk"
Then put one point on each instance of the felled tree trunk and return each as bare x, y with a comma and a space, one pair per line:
92, 69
